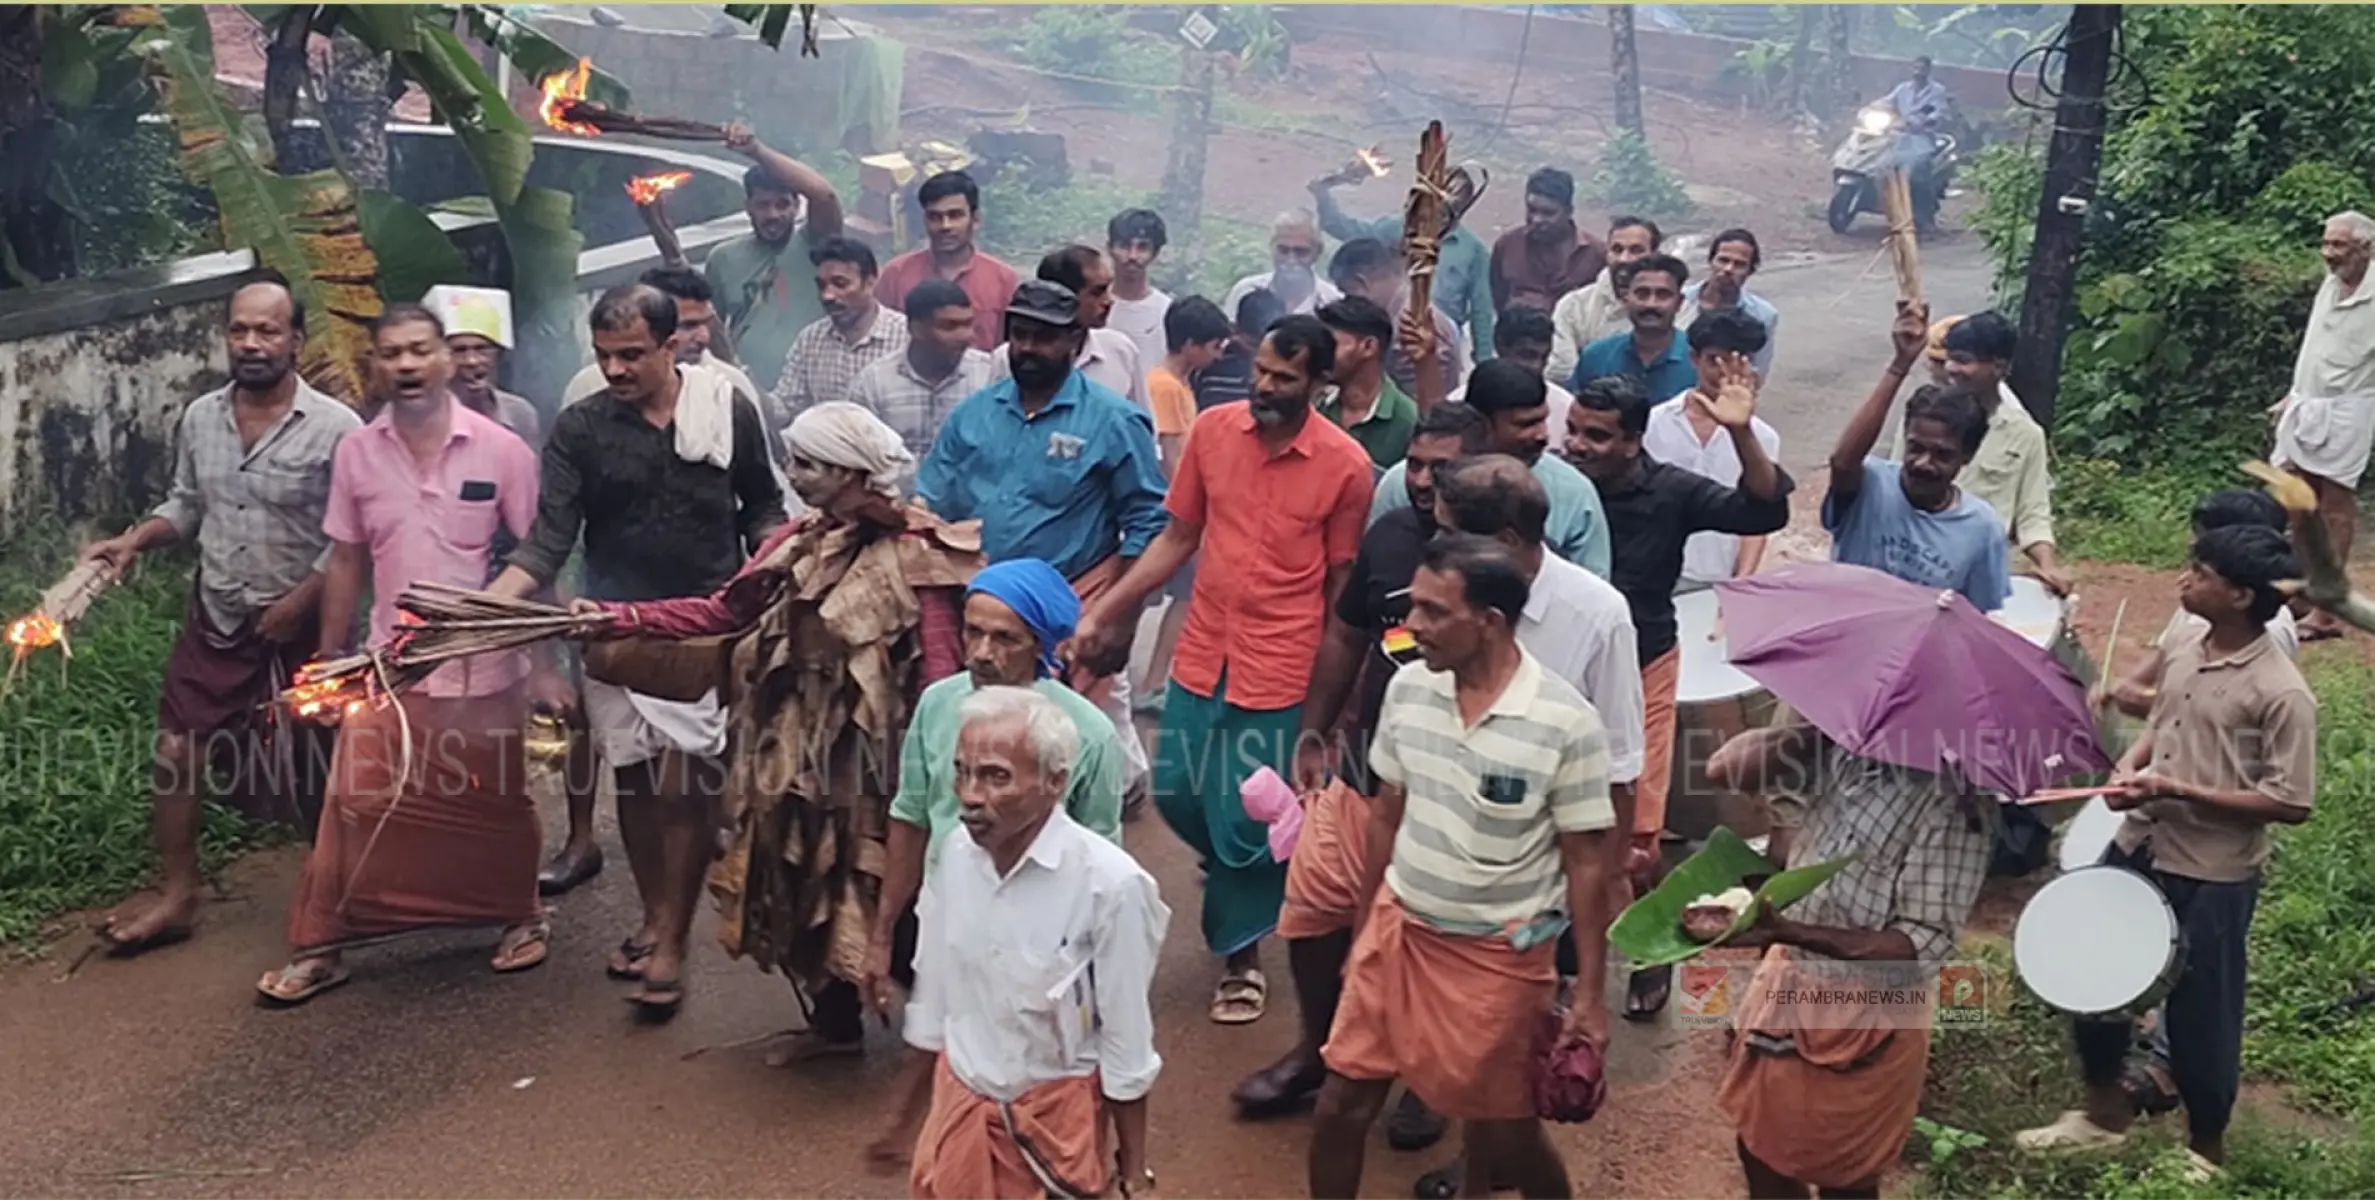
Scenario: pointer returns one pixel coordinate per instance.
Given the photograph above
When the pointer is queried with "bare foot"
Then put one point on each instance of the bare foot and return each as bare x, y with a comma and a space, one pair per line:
161, 924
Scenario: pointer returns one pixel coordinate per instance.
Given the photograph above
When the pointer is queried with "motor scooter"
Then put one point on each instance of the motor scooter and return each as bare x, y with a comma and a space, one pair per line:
1881, 141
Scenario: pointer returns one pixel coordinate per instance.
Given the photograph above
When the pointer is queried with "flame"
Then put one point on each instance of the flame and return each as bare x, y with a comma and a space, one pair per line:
566, 85
34, 632
312, 697
1371, 159
647, 189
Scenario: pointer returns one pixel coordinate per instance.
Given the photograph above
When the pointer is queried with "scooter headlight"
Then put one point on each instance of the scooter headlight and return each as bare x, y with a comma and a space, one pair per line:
1874, 120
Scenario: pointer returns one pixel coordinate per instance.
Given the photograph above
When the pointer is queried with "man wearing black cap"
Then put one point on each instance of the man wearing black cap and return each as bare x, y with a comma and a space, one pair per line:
1547, 257
1056, 466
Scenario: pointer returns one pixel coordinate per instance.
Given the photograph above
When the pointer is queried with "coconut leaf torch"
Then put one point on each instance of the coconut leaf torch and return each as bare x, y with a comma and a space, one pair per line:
650, 193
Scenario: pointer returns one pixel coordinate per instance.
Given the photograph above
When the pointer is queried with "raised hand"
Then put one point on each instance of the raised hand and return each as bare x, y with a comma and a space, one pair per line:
1911, 332
1730, 396
740, 138
1417, 337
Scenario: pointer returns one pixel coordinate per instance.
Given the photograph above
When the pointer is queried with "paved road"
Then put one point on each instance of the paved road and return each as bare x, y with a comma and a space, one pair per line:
430, 1076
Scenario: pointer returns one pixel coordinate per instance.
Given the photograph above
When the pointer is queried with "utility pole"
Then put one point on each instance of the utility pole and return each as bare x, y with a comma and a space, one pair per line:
2071, 161
1624, 64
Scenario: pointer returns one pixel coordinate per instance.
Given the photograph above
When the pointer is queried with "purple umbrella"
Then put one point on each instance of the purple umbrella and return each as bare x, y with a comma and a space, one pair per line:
1911, 675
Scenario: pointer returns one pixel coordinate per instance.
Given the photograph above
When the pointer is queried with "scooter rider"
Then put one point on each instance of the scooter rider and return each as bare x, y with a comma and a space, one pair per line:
1920, 102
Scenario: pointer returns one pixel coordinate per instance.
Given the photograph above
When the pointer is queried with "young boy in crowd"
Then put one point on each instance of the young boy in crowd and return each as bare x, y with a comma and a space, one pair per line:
2230, 749
2232, 507
1198, 335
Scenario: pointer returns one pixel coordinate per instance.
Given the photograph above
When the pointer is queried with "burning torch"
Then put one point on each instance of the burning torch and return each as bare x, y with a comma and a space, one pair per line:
62, 605
566, 108
650, 192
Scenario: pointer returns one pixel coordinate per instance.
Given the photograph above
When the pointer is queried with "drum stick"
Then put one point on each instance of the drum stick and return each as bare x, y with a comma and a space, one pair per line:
2065, 795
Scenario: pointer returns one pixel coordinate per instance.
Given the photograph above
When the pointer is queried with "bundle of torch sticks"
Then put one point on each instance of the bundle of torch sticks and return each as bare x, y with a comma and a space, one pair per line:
1904, 240
566, 108
61, 606
441, 623
1422, 215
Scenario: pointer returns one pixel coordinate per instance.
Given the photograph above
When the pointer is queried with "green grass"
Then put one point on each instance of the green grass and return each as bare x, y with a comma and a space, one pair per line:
76, 743
2310, 946
2107, 516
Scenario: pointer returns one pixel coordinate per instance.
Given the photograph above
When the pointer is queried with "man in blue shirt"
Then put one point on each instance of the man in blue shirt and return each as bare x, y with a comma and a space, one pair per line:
1731, 259
1910, 519
1056, 467
1650, 354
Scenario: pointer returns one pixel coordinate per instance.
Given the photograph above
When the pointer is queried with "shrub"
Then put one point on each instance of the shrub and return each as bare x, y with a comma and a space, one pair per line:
1628, 178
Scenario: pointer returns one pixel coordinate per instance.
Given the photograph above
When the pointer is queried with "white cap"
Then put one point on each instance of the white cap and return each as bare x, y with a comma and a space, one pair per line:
482, 311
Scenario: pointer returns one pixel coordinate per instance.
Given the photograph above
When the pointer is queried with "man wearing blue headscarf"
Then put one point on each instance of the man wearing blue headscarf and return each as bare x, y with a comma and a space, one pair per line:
1016, 613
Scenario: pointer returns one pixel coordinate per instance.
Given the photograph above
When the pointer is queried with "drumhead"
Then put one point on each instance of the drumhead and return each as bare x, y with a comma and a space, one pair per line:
1706, 671
2032, 612
2094, 941
2088, 835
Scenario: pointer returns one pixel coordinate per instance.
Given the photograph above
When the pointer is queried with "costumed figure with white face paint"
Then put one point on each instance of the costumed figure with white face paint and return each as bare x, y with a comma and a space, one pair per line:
840, 621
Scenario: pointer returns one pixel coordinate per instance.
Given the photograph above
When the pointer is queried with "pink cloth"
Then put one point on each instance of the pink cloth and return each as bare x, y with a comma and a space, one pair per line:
1269, 799
987, 282
437, 525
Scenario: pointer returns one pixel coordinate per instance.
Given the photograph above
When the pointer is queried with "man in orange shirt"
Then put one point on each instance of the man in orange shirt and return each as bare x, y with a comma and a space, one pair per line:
952, 218
1279, 500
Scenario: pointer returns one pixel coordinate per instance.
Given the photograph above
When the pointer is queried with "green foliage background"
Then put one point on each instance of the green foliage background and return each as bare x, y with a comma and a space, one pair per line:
2238, 131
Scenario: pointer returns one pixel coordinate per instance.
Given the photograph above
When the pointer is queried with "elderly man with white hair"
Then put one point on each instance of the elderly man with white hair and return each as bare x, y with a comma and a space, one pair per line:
2326, 421
1294, 275
826, 677
1034, 965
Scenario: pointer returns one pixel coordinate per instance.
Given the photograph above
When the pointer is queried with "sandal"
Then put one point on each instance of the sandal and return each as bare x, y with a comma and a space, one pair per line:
524, 946
1241, 997
1646, 993
299, 982
2073, 1130
627, 961
657, 1000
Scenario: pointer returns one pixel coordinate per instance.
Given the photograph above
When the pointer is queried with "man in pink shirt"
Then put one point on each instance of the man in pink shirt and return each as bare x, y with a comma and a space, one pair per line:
428, 822
952, 218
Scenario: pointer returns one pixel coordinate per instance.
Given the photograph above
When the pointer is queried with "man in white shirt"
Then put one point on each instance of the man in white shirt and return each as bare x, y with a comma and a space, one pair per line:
1683, 435
1134, 239
1920, 100
1107, 357
1034, 961
1588, 314
1294, 268
2326, 423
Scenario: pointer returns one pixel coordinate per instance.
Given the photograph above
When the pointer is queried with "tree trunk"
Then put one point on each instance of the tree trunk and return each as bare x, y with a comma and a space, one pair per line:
1801, 59
1191, 131
355, 107
2071, 160
39, 234
1838, 82
285, 67
1624, 62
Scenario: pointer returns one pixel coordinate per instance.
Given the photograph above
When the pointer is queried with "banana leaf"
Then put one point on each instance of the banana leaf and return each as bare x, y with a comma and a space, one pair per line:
304, 226
414, 254
1649, 931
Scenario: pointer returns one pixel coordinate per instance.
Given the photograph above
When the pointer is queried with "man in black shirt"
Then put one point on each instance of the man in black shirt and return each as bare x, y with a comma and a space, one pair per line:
1357, 658
1230, 379
667, 478
1652, 510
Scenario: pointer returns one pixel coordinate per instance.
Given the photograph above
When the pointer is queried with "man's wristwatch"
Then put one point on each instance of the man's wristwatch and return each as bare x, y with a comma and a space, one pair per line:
1144, 1181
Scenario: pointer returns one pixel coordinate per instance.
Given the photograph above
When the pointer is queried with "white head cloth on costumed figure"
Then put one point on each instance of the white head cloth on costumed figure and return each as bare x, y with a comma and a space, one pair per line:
843, 434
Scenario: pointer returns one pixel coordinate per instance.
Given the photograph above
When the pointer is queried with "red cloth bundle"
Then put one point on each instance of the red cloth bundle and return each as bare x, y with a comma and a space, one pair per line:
1570, 1077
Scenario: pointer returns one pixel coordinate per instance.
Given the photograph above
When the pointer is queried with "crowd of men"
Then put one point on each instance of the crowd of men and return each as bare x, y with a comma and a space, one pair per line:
1436, 597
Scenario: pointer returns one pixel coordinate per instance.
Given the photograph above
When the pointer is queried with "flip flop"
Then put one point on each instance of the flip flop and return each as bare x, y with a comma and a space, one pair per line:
1241, 997
274, 990
657, 1001
632, 954
524, 947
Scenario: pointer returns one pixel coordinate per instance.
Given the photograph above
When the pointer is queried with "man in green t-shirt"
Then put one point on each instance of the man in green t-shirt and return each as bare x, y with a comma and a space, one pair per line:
767, 302
1364, 402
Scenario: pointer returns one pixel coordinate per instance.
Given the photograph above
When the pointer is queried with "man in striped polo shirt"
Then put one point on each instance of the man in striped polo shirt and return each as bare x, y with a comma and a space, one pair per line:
1493, 799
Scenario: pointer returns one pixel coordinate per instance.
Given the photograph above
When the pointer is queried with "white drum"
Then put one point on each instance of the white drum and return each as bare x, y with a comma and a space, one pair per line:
2033, 612
1713, 703
1706, 671
2089, 834
2098, 942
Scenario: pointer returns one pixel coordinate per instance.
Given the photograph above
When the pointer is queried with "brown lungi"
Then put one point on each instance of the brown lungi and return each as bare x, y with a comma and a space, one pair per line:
1324, 878
459, 846
967, 1152
1454, 1018
1835, 1110
219, 689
